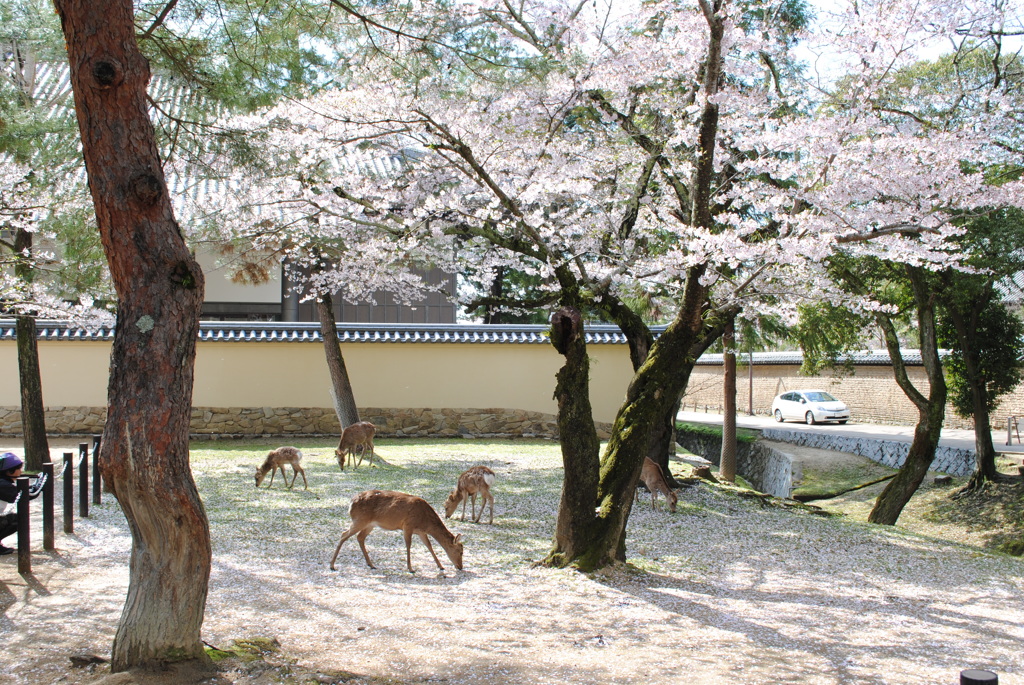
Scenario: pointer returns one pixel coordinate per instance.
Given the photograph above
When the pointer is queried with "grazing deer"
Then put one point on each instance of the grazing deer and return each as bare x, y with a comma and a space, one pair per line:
476, 480
398, 511
276, 460
357, 437
654, 479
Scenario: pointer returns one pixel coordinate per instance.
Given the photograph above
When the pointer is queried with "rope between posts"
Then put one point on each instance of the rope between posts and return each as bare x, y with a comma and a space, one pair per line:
64, 466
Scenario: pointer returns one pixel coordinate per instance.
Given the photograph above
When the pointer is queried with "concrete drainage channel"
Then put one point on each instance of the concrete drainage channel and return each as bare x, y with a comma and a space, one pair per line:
771, 471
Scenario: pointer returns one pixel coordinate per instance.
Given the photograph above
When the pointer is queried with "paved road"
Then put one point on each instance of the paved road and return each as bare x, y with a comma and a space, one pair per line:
952, 438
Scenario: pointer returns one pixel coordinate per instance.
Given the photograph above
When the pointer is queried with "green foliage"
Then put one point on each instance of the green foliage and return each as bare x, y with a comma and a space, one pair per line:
998, 337
974, 321
826, 334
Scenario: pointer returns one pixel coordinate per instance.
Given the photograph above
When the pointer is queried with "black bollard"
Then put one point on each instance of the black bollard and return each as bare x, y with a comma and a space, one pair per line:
48, 507
24, 535
69, 493
97, 483
976, 676
83, 480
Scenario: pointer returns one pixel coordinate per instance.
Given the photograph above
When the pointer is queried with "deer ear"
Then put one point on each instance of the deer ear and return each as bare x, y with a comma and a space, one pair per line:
458, 538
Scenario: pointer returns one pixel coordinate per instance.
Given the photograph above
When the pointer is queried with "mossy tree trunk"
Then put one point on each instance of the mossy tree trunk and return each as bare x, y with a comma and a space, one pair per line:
931, 409
657, 384
576, 525
652, 393
145, 451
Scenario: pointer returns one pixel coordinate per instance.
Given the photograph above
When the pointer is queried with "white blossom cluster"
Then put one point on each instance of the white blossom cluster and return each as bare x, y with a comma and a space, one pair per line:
587, 165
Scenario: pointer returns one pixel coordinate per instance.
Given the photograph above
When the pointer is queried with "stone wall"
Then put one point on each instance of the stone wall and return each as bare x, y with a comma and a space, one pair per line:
209, 422
767, 469
957, 462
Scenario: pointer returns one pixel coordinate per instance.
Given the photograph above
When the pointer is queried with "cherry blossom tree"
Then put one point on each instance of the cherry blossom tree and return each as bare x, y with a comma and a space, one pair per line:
888, 170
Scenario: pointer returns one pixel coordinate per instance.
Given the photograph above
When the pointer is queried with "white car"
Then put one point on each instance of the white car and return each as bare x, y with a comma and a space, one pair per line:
810, 406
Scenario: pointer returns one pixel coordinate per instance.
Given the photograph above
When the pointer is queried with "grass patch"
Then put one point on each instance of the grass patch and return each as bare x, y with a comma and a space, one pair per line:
742, 434
835, 480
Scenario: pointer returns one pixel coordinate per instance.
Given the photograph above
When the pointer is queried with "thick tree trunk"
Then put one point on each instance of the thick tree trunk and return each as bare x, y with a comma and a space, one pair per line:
657, 385
652, 393
581, 448
985, 467
727, 464
33, 417
341, 387
144, 457
931, 409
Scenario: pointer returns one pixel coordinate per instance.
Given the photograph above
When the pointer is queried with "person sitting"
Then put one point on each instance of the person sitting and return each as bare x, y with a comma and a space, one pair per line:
10, 469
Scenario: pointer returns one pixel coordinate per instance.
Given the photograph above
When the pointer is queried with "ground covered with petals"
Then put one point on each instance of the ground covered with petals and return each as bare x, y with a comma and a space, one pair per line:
726, 590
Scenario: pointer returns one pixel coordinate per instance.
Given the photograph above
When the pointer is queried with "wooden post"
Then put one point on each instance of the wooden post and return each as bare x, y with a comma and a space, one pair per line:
97, 482
48, 507
24, 535
69, 493
83, 480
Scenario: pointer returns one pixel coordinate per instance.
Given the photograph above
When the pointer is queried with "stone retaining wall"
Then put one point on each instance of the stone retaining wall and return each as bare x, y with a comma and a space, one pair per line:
767, 469
210, 422
951, 460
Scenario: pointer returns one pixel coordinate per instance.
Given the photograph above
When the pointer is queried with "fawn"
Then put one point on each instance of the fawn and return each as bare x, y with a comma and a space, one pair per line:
357, 437
476, 480
398, 511
654, 479
276, 460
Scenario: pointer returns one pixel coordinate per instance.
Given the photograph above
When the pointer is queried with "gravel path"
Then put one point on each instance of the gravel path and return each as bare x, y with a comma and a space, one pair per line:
724, 591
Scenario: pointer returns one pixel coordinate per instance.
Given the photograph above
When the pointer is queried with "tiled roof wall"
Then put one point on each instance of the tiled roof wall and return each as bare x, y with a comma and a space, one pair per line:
597, 334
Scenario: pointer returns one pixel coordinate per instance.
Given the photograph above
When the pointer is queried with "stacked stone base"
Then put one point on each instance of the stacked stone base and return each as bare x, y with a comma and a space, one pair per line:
217, 422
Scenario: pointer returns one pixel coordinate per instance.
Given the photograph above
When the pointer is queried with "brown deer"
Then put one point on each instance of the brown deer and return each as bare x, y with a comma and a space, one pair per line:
654, 479
473, 481
398, 511
356, 438
276, 460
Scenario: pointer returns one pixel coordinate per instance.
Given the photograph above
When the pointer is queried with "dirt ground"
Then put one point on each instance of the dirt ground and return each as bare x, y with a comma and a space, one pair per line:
724, 591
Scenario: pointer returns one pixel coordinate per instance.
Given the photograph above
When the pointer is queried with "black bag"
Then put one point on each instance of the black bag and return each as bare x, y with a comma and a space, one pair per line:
8, 524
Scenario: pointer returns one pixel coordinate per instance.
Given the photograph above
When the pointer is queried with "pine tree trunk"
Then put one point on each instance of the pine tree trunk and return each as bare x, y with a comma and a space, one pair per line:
144, 456
985, 451
33, 412
727, 463
341, 387
33, 417
575, 527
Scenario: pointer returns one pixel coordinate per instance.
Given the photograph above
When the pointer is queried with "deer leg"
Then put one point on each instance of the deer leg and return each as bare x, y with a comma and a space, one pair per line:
273, 472
464, 498
491, 498
361, 539
408, 549
284, 475
359, 449
426, 541
304, 481
345, 536
476, 519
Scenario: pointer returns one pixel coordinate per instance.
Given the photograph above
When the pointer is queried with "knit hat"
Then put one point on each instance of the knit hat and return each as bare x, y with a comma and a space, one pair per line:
9, 461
